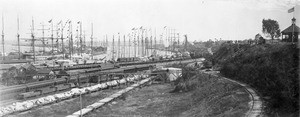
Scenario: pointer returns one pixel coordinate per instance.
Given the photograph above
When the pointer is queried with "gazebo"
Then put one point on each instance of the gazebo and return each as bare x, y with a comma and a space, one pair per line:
291, 33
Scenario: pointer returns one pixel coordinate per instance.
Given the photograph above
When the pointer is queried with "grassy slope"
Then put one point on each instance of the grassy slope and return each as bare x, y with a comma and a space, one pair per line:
271, 69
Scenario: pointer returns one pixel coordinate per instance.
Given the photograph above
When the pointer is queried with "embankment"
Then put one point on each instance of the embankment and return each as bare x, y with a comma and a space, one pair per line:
272, 69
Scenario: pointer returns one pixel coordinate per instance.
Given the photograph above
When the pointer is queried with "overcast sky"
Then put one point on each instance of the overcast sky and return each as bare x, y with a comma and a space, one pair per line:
199, 19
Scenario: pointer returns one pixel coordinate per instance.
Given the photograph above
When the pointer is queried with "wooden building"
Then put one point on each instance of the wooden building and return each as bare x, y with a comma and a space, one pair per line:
291, 34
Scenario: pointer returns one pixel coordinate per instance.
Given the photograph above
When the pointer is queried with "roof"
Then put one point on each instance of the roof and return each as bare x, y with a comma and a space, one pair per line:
44, 71
63, 73
27, 66
291, 29
5, 66
14, 61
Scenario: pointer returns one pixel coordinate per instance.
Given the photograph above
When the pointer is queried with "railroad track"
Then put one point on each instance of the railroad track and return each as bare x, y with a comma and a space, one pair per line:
83, 74
79, 76
255, 105
41, 101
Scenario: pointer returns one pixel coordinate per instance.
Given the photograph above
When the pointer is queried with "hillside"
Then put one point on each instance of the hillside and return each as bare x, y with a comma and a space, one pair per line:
272, 69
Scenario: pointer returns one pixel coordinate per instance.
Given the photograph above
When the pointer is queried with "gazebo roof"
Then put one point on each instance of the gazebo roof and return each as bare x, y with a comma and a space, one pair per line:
291, 29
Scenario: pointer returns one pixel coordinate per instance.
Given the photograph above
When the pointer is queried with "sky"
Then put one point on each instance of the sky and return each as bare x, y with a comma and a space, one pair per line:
200, 20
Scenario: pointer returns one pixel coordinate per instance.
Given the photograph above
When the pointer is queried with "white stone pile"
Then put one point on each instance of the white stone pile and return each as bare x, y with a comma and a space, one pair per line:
29, 104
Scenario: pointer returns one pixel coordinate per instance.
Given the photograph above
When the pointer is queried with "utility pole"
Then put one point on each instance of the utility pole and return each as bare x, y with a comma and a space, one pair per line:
3, 53
18, 37
92, 42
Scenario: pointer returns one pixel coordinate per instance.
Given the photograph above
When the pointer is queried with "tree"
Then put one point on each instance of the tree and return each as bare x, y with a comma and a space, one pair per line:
271, 28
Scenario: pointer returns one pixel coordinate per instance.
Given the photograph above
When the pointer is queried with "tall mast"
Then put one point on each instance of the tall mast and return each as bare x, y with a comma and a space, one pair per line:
3, 53
151, 46
124, 46
178, 42
92, 41
106, 41
84, 42
18, 36
43, 38
129, 44
113, 48
155, 40
71, 39
78, 51
138, 42
119, 46
52, 37
57, 37
32, 35
142, 42
62, 40
80, 38
134, 43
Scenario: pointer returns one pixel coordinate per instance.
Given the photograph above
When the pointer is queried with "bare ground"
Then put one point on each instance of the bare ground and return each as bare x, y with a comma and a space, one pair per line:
155, 100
